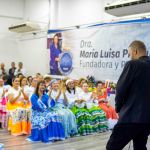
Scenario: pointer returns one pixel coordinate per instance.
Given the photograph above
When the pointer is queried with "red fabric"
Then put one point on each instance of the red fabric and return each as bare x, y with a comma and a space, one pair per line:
109, 110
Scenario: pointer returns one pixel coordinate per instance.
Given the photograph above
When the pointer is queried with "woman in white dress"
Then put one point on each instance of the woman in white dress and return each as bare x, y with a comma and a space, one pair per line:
89, 117
18, 110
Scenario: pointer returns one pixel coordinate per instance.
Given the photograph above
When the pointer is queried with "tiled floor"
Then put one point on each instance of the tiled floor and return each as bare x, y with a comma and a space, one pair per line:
92, 142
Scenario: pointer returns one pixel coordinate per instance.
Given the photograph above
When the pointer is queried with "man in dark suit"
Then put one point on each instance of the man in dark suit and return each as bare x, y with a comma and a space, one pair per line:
133, 101
11, 73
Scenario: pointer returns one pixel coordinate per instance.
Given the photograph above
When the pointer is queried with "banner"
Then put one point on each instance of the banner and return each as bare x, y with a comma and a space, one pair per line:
99, 51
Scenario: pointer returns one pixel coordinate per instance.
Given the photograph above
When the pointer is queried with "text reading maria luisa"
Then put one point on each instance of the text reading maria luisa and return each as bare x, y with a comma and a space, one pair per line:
92, 58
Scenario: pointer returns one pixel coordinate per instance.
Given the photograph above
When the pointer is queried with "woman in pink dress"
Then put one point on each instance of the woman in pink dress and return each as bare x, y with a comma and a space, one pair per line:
3, 101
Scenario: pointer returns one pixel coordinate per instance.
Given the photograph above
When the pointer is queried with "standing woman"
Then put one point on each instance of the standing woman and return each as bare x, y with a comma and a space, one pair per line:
19, 120
46, 125
54, 56
57, 94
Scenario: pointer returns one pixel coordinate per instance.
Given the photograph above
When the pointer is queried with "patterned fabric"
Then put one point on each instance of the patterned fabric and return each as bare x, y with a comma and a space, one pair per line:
68, 119
84, 123
19, 121
109, 110
90, 120
18, 114
3, 112
46, 124
111, 114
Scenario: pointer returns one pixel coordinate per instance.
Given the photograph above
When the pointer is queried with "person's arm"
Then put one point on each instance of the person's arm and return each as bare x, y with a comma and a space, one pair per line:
25, 95
53, 55
36, 105
57, 97
124, 84
49, 94
13, 99
57, 59
65, 97
3, 94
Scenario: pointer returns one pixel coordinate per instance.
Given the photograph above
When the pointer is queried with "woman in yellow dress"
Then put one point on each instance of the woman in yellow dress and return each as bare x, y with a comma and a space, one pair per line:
18, 110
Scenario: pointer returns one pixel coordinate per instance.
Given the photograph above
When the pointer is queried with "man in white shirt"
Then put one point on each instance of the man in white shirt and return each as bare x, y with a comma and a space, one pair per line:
20, 69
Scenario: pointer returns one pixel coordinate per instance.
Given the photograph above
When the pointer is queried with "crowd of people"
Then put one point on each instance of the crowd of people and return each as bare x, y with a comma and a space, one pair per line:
49, 109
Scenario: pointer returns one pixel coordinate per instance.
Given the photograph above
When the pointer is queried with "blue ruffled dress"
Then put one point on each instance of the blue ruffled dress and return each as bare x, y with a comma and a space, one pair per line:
68, 118
46, 124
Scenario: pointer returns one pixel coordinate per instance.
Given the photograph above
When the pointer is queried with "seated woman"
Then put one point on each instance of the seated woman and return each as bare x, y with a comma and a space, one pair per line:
71, 93
57, 94
101, 93
46, 125
79, 85
18, 110
89, 117
24, 86
32, 87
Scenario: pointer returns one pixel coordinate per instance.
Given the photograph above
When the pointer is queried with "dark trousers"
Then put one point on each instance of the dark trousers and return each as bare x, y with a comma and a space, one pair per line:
122, 134
55, 72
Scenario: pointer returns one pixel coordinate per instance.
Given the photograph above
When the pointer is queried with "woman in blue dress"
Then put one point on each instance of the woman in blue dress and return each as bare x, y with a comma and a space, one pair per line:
57, 94
46, 124
54, 56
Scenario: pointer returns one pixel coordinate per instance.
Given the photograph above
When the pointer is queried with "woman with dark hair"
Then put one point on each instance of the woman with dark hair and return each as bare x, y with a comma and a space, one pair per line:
71, 93
32, 87
25, 89
29, 79
46, 124
18, 112
101, 94
47, 80
55, 51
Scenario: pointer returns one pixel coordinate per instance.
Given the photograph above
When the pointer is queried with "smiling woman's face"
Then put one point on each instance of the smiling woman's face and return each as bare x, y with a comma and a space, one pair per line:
16, 82
55, 86
42, 87
85, 87
71, 85
55, 39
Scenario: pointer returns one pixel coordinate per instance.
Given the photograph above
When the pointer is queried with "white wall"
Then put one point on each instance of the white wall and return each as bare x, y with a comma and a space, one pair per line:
35, 56
11, 8
37, 10
78, 12
33, 48
11, 12
63, 13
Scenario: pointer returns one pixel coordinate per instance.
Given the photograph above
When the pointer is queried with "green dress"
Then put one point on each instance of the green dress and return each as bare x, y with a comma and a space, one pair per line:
90, 118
